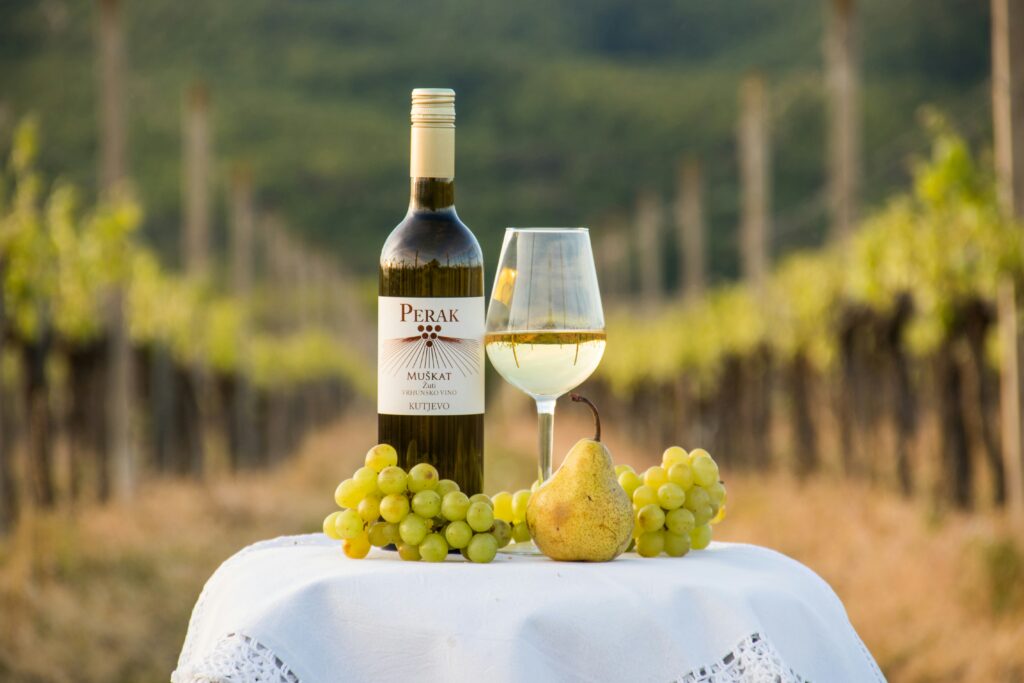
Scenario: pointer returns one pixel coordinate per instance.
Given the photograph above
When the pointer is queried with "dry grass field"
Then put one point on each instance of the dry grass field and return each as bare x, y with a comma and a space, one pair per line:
104, 594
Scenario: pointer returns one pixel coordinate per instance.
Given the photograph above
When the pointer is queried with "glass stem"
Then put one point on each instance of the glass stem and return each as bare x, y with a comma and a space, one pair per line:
546, 424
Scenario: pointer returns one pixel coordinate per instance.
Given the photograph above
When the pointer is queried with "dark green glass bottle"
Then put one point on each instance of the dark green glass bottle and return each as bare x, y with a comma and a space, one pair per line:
430, 374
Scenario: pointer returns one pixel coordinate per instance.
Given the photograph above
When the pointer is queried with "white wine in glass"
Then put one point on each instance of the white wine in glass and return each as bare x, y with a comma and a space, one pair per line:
545, 325
548, 362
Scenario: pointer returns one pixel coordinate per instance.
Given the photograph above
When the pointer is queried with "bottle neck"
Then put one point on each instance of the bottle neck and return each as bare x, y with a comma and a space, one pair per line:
431, 194
432, 166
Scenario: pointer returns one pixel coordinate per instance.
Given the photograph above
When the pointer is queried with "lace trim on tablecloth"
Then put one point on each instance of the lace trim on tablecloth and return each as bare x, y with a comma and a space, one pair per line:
754, 659
237, 658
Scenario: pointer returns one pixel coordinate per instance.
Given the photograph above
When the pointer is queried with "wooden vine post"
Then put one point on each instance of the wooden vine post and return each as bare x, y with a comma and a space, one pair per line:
1008, 103
1010, 401
648, 224
113, 175
1008, 128
196, 181
195, 250
242, 258
755, 180
691, 229
842, 81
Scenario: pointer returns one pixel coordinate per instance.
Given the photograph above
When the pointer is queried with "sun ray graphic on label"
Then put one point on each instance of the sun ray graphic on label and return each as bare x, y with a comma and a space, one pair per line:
428, 350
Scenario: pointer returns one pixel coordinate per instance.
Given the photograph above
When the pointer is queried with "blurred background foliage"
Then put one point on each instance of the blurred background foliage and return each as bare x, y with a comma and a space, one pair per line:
565, 108
940, 244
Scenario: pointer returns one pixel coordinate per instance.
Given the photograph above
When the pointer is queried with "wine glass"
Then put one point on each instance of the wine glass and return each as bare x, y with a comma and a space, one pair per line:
545, 326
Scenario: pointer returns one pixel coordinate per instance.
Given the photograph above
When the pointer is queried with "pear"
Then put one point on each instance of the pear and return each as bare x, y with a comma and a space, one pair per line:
582, 513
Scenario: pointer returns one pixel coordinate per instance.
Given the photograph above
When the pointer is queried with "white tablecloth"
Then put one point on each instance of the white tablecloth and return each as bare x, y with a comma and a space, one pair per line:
295, 609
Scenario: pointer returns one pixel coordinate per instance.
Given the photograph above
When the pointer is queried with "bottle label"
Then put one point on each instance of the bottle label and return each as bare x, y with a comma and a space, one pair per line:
430, 355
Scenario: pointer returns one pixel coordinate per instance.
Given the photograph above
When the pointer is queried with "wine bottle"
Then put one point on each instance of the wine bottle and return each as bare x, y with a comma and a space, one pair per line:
430, 329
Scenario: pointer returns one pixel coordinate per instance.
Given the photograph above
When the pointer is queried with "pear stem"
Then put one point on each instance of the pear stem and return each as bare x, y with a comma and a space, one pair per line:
597, 417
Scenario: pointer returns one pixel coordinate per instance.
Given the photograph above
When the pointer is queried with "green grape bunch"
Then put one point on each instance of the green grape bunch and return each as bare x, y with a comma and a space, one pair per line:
675, 503
420, 514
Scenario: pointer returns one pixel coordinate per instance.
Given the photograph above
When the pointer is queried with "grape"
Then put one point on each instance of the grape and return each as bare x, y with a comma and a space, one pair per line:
703, 515
630, 482
503, 505
409, 553
366, 488
446, 486
671, 496
366, 476
427, 504
717, 493
458, 535
696, 498
380, 456
356, 547
348, 494
369, 508
676, 545
482, 548
394, 507
481, 498
392, 480
520, 499
413, 529
434, 548
700, 537
454, 506
650, 517
680, 521
681, 475
644, 495
349, 524
650, 544
520, 532
655, 477
619, 469
422, 477
705, 471
480, 516
674, 455
698, 451
380, 534
329, 522
502, 532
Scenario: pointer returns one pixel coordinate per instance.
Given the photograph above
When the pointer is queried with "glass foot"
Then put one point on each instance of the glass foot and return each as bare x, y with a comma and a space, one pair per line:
524, 548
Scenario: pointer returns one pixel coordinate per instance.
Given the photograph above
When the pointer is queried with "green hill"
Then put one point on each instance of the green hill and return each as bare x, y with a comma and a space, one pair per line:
566, 109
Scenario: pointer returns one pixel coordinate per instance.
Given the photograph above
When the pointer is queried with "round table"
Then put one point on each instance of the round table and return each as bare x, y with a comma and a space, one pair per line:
296, 610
